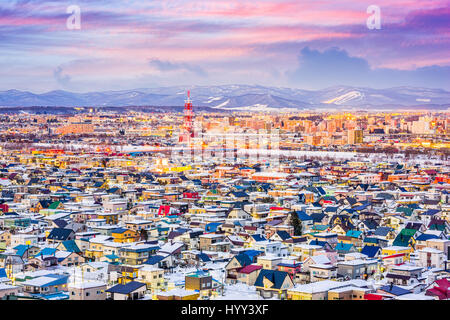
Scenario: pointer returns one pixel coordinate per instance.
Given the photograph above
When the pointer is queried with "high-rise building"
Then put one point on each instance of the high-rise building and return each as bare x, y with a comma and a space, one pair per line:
355, 136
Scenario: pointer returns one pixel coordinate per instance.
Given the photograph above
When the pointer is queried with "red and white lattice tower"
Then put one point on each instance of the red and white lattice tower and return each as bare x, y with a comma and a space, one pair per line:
188, 130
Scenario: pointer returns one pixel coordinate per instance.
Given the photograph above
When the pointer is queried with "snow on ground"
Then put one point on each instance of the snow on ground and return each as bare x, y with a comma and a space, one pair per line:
262, 108
352, 95
222, 104
239, 291
418, 159
211, 99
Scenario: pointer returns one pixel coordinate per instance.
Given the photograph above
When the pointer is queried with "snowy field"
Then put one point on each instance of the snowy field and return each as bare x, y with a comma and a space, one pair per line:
337, 155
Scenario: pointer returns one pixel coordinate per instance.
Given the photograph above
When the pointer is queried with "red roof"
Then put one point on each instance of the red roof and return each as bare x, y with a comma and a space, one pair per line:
442, 290
436, 292
4, 207
371, 296
164, 210
250, 268
394, 255
190, 195
277, 208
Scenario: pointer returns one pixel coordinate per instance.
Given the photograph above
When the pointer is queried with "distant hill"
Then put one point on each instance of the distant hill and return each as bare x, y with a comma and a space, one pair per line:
240, 97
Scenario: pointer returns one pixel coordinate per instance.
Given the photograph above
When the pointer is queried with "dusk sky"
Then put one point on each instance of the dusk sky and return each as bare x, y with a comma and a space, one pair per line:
301, 44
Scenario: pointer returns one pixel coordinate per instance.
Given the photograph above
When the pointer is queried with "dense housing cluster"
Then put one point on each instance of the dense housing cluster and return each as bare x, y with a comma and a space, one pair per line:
93, 207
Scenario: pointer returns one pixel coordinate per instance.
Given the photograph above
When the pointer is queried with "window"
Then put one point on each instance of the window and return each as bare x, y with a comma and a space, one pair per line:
87, 294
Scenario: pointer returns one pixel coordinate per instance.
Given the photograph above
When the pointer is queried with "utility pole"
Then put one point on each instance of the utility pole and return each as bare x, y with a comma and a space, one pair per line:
223, 280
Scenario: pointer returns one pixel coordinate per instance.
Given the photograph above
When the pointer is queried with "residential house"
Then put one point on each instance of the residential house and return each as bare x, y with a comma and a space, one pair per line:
133, 290
273, 283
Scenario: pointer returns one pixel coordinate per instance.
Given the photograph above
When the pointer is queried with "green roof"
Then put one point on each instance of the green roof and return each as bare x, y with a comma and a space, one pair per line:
405, 210
404, 237
54, 205
439, 227
408, 232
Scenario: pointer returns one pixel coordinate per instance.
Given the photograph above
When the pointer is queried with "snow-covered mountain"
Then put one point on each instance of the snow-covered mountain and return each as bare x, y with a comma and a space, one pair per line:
239, 97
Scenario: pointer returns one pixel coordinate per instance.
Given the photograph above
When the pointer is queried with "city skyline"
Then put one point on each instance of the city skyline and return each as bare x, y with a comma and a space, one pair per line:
133, 44
183, 150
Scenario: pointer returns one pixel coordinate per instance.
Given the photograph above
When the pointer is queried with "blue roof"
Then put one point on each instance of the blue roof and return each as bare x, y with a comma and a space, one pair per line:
126, 288
361, 207
145, 249
204, 257
21, 249
343, 246
275, 276
154, 259
111, 256
371, 240
3, 273
370, 251
317, 217
252, 253
321, 190
424, 237
396, 291
353, 233
46, 252
382, 231
431, 212
119, 230
239, 194
54, 296
71, 246
258, 237
243, 259
303, 216
60, 234
212, 227
284, 235
291, 265
316, 242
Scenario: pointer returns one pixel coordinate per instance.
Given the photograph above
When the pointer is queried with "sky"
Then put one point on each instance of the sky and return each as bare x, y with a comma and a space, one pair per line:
313, 44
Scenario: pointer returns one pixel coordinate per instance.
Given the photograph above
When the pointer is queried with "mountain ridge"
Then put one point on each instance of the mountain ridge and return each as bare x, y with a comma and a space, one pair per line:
235, 97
